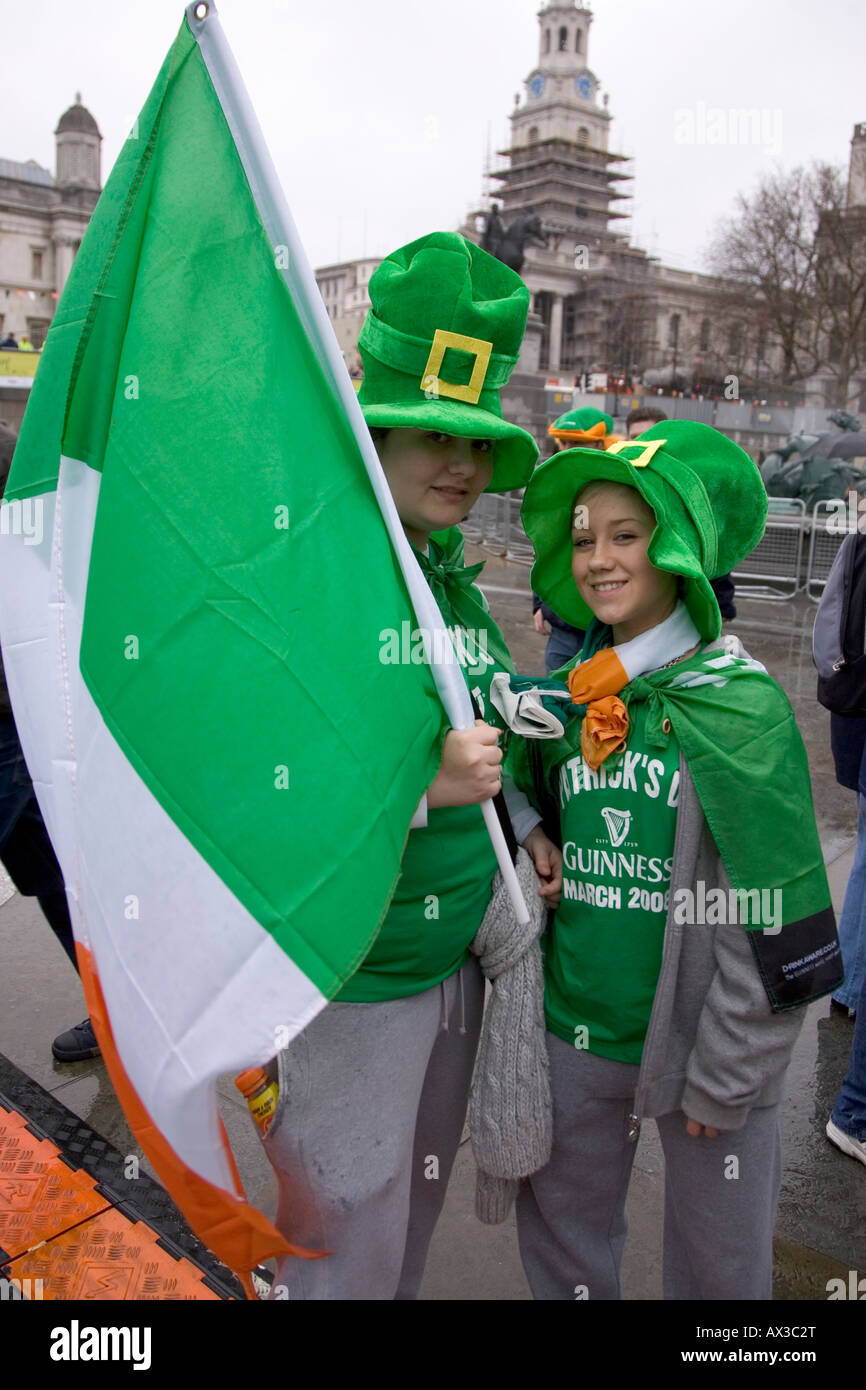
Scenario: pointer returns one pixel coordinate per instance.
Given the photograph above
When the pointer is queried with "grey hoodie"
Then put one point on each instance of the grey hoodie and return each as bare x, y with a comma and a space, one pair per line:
714, 1046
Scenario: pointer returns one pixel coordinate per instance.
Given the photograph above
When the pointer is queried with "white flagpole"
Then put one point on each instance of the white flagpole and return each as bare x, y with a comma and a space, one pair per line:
283, 235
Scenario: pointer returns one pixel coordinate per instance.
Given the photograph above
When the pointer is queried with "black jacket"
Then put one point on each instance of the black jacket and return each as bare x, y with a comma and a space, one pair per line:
8, 440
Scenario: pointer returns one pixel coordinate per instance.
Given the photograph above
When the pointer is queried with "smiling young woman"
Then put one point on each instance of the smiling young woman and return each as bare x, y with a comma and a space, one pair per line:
611, 568
686, 774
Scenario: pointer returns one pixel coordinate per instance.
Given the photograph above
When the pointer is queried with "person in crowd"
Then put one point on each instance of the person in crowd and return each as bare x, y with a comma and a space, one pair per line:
642, 418
378, 1082
563, 640
848, 744
25, 849
838, 623
586, 428
10, 343
837, 651
689, 931
846, 1127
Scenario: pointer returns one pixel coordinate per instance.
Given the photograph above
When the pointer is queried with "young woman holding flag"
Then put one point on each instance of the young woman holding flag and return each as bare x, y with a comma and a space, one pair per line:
373, 1093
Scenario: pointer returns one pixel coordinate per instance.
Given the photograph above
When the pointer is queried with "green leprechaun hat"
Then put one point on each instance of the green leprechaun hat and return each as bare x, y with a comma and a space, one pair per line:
439, 343
707, 495
582, 425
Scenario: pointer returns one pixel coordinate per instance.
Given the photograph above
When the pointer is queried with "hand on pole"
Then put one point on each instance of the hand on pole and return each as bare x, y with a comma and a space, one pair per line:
470, 770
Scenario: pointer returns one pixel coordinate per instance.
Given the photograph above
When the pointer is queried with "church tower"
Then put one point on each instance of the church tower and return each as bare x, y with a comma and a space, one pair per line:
77, 140
559, 164
857, 169
78, 183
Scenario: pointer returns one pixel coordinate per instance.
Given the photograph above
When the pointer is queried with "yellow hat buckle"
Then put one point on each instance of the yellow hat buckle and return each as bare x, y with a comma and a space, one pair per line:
432, 383
646, 450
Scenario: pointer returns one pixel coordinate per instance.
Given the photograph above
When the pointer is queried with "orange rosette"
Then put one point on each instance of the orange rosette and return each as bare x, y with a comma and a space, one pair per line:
604, 730
602, 674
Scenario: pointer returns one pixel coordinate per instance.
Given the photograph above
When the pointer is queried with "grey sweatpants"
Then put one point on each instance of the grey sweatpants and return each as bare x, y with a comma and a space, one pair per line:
371, 1107
720, 1194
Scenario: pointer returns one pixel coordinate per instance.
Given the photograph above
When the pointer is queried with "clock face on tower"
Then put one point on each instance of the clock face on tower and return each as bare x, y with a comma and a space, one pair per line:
585, 85
536, 86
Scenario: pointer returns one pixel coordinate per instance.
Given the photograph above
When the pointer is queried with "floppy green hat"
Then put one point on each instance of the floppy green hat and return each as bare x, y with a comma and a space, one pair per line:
585, 423
707, 496
439, 343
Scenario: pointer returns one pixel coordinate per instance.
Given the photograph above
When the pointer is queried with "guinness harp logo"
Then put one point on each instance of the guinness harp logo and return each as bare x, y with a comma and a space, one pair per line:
617, 823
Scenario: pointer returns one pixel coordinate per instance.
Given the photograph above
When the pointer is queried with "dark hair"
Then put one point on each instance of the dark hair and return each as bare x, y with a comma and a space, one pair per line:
644, 412
378, 434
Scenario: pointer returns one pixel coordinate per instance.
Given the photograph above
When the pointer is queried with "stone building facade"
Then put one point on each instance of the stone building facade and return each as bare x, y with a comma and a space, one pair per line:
344, 289
43, 217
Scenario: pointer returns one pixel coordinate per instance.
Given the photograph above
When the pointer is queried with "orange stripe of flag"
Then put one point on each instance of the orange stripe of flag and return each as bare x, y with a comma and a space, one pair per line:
236, 1232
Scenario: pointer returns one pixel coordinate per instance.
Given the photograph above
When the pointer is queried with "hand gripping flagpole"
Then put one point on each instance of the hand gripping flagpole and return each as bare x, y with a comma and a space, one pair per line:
282, 233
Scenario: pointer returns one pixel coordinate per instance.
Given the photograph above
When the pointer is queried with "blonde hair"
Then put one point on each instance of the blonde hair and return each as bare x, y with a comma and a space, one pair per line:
600, 485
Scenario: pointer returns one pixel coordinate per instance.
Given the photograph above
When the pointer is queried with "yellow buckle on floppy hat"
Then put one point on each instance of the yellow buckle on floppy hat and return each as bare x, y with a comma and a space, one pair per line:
432, 382
646, 450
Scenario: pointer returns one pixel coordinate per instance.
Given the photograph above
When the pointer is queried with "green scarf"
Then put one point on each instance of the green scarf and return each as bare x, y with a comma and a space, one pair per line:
456, 595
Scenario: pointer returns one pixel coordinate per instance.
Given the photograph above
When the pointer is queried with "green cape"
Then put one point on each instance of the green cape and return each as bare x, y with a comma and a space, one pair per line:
737, 732
451, 579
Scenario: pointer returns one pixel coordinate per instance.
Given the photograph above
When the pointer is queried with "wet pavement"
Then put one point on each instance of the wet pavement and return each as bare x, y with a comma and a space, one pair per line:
821, 1226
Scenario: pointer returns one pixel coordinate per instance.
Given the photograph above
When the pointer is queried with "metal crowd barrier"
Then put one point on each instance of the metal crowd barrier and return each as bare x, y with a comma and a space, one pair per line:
777, 559
471, 527
495, 524
824, 543
518, 547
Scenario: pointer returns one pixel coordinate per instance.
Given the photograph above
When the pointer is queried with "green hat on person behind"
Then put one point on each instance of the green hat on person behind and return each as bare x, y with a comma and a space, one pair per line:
707, 495
583, 424
439, 343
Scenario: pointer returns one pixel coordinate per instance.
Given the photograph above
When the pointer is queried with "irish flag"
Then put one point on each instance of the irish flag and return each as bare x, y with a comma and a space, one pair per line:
226, 768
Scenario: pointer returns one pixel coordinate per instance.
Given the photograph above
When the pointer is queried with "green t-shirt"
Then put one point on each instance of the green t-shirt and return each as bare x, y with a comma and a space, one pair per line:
604, 948
448, 866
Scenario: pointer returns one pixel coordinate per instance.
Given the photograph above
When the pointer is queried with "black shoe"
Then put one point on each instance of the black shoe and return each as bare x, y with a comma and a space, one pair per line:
76, 1044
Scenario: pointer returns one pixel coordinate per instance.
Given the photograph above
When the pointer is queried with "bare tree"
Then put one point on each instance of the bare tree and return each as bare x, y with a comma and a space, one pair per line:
767, 252
793, 257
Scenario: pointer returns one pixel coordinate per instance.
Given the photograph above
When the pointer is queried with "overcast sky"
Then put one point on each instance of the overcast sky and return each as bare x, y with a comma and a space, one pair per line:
378, 113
